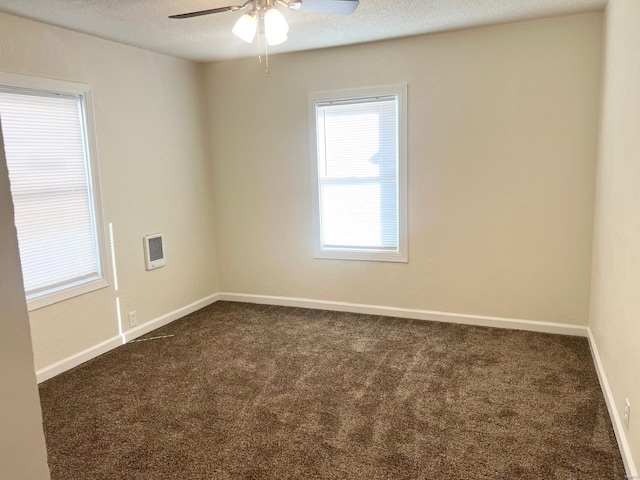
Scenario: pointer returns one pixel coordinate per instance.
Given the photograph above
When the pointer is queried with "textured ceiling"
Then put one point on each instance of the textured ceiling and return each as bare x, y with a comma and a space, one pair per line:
144, 23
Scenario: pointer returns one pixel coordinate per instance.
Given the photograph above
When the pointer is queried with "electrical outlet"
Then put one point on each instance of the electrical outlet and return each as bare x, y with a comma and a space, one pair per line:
133, 319
627, 413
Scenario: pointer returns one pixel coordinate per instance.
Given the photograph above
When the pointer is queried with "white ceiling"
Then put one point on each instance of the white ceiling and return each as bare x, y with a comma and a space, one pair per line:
144, 23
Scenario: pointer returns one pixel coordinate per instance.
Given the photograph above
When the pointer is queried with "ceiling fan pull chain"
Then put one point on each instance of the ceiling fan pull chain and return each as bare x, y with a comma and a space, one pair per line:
259, 42
266, 52
266, 20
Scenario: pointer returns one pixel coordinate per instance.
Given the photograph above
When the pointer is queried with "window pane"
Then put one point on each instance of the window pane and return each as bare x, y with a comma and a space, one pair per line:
358, 174
351, 215
45, 146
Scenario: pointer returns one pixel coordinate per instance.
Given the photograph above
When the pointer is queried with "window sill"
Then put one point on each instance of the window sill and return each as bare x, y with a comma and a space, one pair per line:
361, 256
66, 294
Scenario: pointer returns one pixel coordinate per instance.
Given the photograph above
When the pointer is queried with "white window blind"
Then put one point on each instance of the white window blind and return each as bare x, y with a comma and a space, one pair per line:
49, 169
358, 176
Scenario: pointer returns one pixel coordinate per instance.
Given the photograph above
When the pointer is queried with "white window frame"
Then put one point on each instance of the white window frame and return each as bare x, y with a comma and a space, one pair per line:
400, 91
8, 81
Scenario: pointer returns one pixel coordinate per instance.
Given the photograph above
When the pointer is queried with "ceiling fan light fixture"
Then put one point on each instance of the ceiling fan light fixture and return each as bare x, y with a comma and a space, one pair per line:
273, 40
263, 16
275, 27
246, 27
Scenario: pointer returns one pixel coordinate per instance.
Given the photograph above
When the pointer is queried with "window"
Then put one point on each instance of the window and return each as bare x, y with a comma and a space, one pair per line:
359, 165
54, 186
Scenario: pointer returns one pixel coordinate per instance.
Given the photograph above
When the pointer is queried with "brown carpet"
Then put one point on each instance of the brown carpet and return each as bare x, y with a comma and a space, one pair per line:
260, 392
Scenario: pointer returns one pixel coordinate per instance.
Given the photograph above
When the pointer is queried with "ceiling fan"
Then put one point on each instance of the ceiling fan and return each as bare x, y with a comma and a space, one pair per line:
264, 15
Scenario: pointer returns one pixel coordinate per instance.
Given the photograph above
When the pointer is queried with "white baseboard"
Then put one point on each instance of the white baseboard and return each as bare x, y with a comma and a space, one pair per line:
466, 319
460, 318
618, 426
103, 347
151, 325
74, 360
111, 343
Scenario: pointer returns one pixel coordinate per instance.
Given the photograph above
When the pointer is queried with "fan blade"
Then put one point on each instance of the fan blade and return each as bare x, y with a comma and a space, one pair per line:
335, 7
231, 8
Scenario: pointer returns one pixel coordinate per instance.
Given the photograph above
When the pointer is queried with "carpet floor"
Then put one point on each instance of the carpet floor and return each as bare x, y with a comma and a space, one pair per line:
238, 391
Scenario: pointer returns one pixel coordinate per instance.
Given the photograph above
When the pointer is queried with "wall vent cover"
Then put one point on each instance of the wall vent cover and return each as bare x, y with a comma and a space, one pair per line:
154, 251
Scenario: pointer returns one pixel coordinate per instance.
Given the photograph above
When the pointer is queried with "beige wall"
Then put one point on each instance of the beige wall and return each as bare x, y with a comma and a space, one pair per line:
22, 451
502, 147
615, 294
502, 126
154, 170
